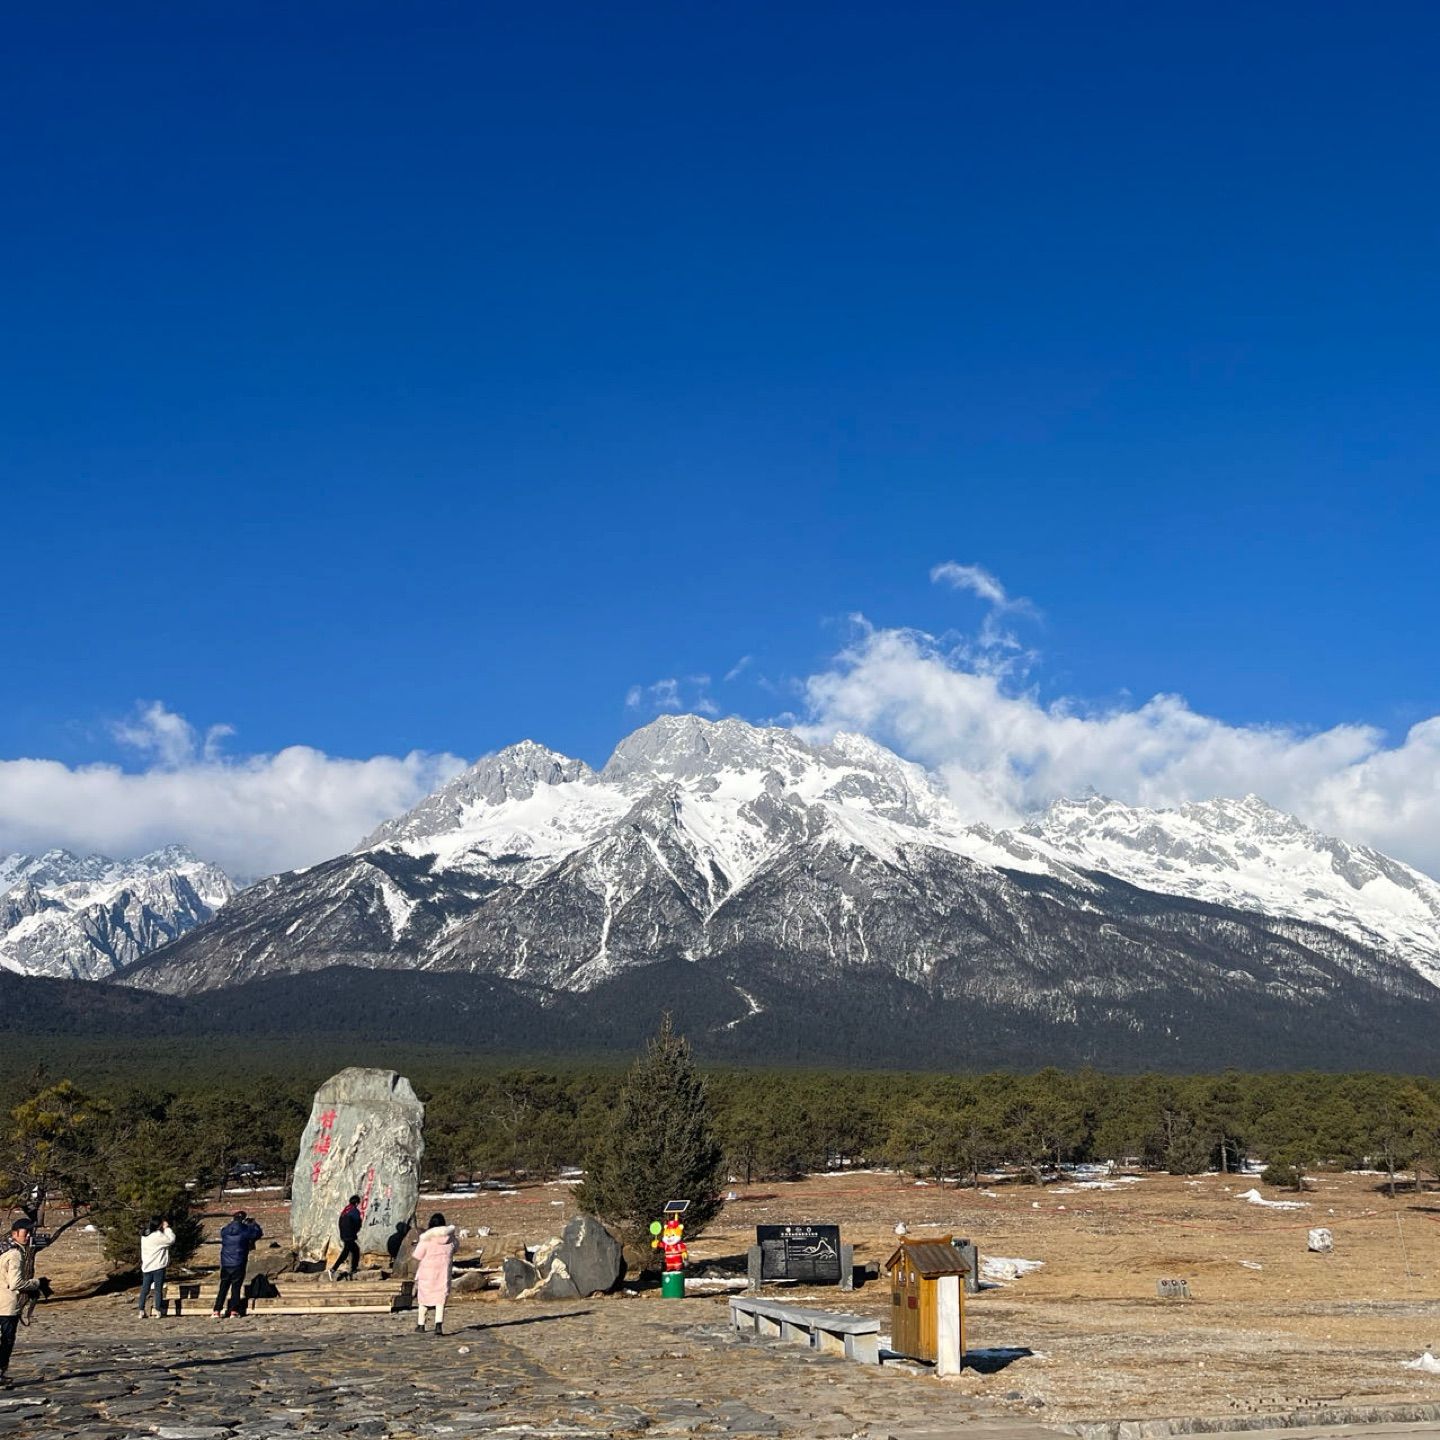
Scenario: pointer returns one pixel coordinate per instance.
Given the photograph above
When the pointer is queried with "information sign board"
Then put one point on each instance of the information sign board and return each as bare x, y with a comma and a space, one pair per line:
807, 1254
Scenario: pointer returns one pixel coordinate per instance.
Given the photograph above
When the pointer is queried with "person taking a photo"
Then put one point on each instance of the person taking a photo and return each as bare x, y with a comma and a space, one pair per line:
237, 1240
155, 1242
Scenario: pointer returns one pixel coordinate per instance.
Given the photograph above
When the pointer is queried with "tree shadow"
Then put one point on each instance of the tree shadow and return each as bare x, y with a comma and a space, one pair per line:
993, 1359
110, 1373
521, 1320
739, 1263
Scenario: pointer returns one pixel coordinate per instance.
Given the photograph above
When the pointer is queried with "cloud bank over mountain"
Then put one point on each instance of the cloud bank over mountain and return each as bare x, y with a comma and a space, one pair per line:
253, 815
1003, 753
960, 705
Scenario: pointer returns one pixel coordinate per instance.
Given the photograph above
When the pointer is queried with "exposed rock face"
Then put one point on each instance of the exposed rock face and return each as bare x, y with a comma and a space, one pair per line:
585, 1260
364, 1138
86, 918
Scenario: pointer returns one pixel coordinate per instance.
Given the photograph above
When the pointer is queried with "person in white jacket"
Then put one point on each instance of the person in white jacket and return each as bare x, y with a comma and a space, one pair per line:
155, 1245
17, 1263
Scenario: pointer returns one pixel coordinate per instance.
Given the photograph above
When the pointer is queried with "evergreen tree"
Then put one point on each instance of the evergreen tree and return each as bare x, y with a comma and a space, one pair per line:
51, 1147
660, 1145
142, 1185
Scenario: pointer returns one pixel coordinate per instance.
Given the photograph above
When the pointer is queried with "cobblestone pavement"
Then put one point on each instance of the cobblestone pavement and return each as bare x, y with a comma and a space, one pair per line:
93, 1371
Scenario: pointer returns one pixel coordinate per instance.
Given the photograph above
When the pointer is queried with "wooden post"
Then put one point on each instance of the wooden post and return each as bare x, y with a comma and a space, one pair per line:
949, 1327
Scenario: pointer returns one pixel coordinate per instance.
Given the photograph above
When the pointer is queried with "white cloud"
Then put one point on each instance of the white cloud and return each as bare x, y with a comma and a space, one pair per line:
974, 578
673, 693
1003, 753
253, 815
996, 636
738, 668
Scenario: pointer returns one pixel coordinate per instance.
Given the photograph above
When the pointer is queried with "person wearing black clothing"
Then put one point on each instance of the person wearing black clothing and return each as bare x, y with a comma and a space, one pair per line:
237, 1240
351, 1219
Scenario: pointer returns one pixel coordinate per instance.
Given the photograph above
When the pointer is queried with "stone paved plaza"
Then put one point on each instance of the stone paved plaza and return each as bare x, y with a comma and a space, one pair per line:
596, 1368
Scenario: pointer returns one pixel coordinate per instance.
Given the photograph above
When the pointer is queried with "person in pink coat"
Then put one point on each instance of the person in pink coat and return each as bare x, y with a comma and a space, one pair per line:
432, 1255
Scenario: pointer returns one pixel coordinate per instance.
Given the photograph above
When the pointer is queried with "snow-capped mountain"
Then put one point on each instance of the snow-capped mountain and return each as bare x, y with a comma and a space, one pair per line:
86, 917
767, 868
1245, 853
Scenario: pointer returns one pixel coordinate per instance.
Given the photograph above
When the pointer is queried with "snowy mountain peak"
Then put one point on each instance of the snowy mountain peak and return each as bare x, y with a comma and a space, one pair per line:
54, 867
718, 802
687, 746
512, 774
168, 857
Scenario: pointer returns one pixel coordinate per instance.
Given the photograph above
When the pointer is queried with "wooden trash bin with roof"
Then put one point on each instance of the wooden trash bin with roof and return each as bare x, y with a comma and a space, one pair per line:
927, 1302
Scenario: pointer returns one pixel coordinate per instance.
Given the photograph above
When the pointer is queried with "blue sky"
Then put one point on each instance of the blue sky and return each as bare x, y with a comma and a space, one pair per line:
380, 382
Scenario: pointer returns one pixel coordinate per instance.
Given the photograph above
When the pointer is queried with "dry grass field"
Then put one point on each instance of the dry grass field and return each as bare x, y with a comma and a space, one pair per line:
1269, 1327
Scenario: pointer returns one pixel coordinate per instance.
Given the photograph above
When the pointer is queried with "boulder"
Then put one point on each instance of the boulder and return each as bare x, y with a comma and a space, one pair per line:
591, 1255
586, 1259
557, 1284
1322, 1242
517, 1277
470, 1282
364, 1138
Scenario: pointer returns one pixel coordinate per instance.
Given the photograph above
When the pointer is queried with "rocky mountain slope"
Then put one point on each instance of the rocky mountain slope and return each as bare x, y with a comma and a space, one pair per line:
1245, 853
767, 873
86, 917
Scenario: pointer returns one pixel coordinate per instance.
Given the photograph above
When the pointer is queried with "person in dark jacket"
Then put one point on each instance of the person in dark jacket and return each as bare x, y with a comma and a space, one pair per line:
351, 1219
237, 1240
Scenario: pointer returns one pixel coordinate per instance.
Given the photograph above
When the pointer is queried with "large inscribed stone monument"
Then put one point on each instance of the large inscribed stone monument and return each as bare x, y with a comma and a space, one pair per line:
364, 1138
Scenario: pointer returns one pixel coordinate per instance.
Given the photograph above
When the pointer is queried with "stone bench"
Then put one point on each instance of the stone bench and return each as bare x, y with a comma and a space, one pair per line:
856, 1337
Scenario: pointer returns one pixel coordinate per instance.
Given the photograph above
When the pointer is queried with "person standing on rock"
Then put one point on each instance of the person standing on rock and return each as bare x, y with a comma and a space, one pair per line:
237, 1240
155, 1246
433, 1255
351, 1219
16, 1289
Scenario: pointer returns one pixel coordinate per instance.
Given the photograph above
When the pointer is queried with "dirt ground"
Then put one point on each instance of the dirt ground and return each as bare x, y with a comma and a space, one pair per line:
1269, 1327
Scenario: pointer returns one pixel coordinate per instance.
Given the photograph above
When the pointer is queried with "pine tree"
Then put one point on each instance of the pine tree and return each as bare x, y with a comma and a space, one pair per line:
661, 1145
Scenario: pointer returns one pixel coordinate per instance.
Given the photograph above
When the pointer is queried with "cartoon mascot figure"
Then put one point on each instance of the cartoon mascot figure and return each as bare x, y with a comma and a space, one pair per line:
668, 1240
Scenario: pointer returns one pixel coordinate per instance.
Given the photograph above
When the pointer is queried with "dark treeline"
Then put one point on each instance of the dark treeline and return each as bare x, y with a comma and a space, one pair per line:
777, 1124
536, 1121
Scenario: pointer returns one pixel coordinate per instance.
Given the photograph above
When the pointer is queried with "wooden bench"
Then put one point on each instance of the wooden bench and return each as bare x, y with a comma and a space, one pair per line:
303, 1295
856, 1337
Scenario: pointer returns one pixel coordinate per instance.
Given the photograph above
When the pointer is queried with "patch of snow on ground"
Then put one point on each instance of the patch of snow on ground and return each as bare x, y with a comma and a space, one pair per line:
1114, 1183
1426, 1362
1254, 1197
999, 1268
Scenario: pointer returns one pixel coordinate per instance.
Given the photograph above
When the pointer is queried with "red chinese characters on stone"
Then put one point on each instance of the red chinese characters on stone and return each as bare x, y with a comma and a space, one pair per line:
323, 1141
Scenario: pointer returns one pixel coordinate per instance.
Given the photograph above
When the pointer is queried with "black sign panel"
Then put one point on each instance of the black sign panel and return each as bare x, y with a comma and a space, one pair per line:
809, 1254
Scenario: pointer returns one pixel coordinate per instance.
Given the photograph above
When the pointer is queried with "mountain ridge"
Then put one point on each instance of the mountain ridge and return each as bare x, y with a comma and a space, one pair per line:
719, 849
89, 917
